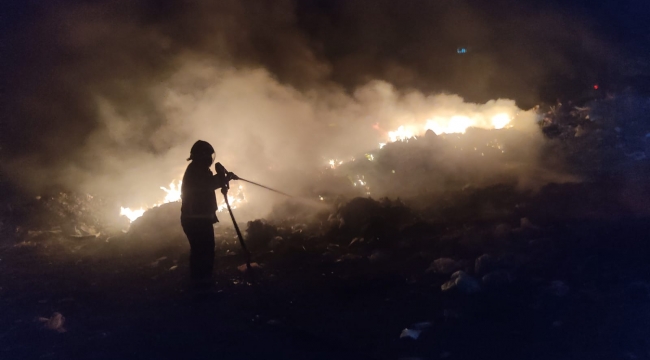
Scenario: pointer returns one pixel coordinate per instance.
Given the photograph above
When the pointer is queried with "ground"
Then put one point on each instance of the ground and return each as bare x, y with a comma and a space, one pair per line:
581, 290
557, 272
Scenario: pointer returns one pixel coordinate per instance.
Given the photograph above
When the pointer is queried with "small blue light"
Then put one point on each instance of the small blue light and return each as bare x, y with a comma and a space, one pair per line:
461, 50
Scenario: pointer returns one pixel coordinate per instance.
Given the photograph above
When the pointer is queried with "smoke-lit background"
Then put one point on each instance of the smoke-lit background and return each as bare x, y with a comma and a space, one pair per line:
108, 97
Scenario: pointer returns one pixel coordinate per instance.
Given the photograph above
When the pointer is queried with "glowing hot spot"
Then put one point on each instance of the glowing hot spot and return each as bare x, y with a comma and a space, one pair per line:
500, 121
400, 134
132, 214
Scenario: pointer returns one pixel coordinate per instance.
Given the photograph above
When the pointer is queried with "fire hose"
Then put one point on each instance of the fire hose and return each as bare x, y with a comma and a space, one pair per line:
265, 187
226, 177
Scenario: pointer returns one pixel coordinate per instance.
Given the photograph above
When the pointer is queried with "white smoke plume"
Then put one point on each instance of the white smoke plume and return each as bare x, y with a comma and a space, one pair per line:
108, 98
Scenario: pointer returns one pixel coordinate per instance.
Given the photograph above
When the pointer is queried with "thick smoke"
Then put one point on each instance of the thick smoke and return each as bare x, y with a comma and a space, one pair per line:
108, 98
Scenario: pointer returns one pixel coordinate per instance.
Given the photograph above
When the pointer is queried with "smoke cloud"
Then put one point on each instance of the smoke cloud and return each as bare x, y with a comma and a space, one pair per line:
108, 98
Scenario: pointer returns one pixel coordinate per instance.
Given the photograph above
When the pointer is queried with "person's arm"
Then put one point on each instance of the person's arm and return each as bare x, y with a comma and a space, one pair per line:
217, 181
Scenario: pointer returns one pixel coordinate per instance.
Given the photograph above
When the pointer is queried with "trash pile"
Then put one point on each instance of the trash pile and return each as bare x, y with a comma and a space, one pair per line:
449, 162
61, 215
603, 137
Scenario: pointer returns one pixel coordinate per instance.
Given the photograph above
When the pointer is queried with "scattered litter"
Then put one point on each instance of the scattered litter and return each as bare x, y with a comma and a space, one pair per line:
254, 266
410, 333
348, 257
502, 230
85, 232
485, 264
298, 228
525, 223
157, 262
414, 331
84, 237
377, 256
331, 247
259, 233
463, 282
276, 242
54, 323
444, 266
422, 325
356, 240
497, 279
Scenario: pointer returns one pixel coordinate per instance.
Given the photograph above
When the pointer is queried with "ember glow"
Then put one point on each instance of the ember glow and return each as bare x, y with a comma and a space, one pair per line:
334, 163
401, 134
132, 214
449, 125
173, 194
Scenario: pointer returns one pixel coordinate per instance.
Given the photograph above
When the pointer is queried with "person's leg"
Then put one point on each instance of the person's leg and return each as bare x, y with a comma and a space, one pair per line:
206, 250
200, 235
194, 238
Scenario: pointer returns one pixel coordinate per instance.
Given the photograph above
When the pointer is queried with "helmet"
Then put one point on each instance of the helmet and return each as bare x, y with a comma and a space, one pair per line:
201, 148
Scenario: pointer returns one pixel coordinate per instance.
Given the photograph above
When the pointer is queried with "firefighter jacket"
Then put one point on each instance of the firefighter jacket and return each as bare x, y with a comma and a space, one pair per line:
197, 193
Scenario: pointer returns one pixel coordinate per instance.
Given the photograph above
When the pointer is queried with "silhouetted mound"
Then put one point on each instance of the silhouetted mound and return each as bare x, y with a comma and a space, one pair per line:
259, 234
158, 225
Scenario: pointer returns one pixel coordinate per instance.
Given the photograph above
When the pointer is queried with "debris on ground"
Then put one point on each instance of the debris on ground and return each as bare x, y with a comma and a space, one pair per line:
55, 322
445, 266
259, 234
496, 279
276, 242
254, 266
463, 282
410, 334
414, 331
485, 264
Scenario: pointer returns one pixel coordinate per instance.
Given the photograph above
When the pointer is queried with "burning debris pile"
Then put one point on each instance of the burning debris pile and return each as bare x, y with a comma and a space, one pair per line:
468, 248
432, 165
431, 172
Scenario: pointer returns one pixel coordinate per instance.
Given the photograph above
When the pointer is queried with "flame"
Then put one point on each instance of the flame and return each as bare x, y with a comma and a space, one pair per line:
334, 163
132, 214
500, 121
400, 134
439, 124
173, 194
235, 197
449, 125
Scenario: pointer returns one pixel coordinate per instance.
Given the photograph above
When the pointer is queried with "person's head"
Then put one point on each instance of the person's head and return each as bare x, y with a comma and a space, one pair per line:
202, 153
